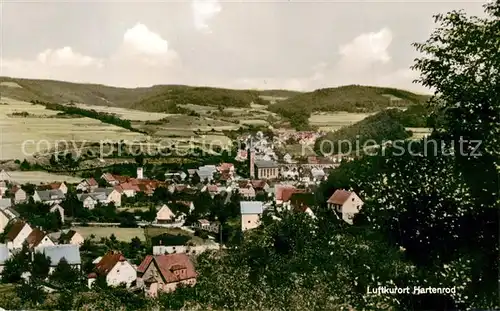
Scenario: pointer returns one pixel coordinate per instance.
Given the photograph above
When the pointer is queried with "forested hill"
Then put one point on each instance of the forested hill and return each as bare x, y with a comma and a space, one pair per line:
351, 98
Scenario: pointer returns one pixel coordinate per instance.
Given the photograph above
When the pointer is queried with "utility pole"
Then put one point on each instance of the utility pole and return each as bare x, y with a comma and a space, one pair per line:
220, 236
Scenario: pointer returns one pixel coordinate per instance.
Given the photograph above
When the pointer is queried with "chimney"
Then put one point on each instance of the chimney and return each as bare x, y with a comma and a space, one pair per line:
140, 172
252, 164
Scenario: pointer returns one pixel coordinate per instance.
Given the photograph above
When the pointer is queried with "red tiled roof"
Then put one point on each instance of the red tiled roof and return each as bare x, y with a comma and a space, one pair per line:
339, 197
52, 186
108, 261
92, 182
244, 184
284, 192
15, 189
35, 237
169, 263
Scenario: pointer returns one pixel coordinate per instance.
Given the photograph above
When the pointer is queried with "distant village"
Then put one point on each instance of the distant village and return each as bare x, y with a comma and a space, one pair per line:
275, 186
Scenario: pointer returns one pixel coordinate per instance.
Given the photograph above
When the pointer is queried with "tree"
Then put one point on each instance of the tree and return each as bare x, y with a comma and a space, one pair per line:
461, 61
40, 266
16, 266
25, 165
31, 291
65, 276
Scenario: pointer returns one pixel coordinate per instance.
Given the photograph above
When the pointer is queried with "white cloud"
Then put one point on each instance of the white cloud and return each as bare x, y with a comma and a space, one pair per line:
145, 41
367, 48
143, 58
66, 57
144, 47
203, 11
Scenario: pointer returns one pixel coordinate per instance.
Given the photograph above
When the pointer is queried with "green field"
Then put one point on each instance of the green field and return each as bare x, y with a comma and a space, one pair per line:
122, 234
332, 121
22, 137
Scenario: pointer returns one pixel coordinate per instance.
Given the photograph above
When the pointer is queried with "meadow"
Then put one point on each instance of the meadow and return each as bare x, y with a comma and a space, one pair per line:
128, 114
122, 234
39, 134
332, 121
38, 177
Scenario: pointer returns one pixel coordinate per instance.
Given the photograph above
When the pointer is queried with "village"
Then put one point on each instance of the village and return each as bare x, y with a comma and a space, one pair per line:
210, 207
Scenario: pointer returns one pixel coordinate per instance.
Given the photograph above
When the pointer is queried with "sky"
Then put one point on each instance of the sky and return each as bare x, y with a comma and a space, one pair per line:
299, 45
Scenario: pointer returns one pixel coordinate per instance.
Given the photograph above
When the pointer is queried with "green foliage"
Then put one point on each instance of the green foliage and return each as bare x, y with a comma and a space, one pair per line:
40, 266
372, 130
66, 277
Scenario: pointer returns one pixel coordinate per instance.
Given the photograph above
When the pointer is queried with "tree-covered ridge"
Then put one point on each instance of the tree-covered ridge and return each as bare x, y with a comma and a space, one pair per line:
155, 98
351, 98
167, 100
383, 126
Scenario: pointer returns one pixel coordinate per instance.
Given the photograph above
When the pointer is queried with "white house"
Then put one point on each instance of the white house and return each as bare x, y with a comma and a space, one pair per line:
165, 215
100, 195
346, 204
19, 194
251, 213
71, 237
17, 234
115, 268
39, 238
88, 184
49, 197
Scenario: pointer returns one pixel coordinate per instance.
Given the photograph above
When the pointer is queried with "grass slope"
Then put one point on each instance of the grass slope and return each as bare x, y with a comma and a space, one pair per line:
383, 126
351, 98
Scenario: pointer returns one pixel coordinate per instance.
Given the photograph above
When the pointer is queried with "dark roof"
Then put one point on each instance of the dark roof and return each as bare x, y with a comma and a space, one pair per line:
15, 229
65, 238
35, 237
339, 197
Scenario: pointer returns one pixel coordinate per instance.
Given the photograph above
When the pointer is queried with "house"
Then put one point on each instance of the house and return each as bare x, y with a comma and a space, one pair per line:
165, 215
19, 194
49, 197
317, 174
163, 273
207, 172
54, 186
56, 208
206, 225
186, 249
129, 189
251, 212
115, 268
71, 253
267, 169
100, 195
111, 195
260, 185
88, 184
39, 238
5, 203
246, 189
4, 256
71, 237
6, 215
17, 234
346, 204
283, 193
110, 179
241, 156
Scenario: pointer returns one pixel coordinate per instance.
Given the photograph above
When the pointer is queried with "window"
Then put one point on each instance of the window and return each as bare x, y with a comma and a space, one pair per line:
353, 199
249, 221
